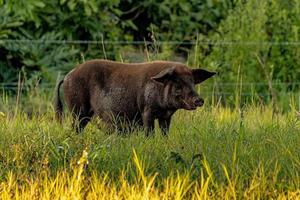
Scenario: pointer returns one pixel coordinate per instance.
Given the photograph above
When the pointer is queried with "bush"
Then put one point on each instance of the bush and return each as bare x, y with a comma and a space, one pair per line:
94, 20
251, 45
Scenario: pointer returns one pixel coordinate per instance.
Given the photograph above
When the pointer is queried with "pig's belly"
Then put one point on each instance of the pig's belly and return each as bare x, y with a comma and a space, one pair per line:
117, 105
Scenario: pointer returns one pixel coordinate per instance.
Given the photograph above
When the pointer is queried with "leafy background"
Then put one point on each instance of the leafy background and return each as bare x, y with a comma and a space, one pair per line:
246, 41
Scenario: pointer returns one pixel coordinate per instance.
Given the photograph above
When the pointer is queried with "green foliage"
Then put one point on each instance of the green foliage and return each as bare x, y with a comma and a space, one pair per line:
248, 38
51, 21
94, 20
184, 20
255, 36
7, 23
43, 59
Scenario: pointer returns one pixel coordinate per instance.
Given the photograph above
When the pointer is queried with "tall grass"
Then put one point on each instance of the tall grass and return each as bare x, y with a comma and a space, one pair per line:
211, 153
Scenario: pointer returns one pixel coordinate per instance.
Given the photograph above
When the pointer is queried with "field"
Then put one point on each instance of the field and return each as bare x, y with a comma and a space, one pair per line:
243, 144
211, 153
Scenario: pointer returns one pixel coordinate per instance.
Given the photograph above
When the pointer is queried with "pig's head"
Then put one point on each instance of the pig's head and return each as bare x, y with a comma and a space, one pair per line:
179, 86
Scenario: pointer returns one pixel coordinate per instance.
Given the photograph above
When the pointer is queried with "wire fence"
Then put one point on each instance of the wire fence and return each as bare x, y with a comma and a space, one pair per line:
217, 88
225, 88
101, 42
15, 84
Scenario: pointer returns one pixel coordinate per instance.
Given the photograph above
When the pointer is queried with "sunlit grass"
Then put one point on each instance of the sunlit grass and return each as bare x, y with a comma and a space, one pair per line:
212, 153
76, 184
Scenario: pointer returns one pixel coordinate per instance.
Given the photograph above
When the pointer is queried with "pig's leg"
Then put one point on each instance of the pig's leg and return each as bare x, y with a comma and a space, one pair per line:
164, 124
148, 122
80, 120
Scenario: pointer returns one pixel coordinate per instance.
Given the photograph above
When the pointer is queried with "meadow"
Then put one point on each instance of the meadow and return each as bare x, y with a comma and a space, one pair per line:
215, 152
243, 144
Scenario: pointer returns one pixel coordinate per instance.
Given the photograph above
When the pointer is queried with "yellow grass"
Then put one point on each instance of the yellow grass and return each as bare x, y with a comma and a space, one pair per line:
77, 185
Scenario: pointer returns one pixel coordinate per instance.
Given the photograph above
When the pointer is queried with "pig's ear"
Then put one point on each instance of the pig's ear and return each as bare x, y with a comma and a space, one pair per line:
201, 75
164, 75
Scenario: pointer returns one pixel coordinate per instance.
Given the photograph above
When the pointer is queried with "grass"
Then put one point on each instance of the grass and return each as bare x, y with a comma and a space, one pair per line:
211, 153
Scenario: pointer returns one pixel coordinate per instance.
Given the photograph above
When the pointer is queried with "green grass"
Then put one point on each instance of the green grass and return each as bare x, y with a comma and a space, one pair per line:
212, 151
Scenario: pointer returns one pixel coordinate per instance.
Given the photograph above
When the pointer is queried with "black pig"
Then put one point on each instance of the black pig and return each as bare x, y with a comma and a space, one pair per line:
123, 95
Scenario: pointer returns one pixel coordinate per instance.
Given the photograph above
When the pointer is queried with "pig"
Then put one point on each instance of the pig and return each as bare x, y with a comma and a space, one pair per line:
129, 95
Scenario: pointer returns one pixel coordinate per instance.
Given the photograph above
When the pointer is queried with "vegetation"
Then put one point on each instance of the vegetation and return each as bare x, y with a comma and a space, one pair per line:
92, 20
262, 44
244, 143
213, 153
250, 41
